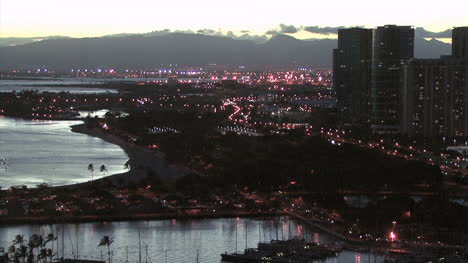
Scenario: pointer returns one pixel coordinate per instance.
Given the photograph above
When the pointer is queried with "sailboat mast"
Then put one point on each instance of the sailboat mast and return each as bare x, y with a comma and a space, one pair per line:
126, 254
139, 247
236, 236
63, 241
246, 234
259, 233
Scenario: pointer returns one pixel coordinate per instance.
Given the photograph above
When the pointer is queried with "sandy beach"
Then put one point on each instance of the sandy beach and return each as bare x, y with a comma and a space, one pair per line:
144, 163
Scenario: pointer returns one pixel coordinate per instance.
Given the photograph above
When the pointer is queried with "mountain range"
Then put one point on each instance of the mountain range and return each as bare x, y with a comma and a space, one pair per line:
129, 51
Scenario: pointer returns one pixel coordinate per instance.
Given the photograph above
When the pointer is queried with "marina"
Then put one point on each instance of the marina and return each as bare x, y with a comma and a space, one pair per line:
178, 240
278, 251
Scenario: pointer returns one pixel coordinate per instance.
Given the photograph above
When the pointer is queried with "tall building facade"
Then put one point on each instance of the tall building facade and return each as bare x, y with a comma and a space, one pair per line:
435, 98
351, 78
392, 47
460, 42
435, 93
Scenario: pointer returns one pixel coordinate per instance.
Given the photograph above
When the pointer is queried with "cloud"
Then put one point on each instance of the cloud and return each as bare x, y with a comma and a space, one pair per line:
158, 33
419, 31
207, 31
272, 32
322, 30
282, 29
230, 34
285, 29
255, 38
241, 35
291, 29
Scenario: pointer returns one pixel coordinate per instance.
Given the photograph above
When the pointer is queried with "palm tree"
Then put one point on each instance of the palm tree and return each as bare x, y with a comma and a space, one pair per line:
30, 257
91, 170
12, 251
103, 169
50, 254
22, 252
50, 238
35, 242
42, 255
107, 241
127, 165
19, 240
31, 247
40, 241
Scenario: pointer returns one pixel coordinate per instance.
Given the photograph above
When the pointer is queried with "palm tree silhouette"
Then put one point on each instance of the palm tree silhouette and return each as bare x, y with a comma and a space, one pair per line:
42, 254
22, 252
35, 242
127, 165
50, 238
12, 251
19, 240
107, 241
103, 169
91, 170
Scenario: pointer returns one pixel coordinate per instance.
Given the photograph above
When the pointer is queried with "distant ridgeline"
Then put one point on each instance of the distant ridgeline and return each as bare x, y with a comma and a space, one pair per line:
139, 52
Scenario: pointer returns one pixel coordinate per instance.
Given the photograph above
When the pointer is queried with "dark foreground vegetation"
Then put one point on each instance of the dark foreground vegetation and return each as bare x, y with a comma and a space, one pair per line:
272, 162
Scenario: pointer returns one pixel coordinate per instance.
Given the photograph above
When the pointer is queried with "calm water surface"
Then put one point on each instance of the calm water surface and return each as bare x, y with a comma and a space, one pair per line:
50, 85
182, 239
49, 152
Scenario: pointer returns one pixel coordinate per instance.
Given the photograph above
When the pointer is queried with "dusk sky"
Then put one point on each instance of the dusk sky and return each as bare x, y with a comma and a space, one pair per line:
89, 18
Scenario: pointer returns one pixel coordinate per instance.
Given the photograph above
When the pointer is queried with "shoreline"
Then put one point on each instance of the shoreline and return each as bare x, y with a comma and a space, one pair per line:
140, 159
135, 217
143, 163
324, 229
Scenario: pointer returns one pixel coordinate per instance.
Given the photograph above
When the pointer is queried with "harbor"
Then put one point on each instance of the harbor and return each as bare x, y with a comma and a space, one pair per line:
278, 251
175, 240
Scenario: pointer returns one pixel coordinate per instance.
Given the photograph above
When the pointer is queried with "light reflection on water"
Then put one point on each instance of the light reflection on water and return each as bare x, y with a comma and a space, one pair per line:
48, 152
182, 239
